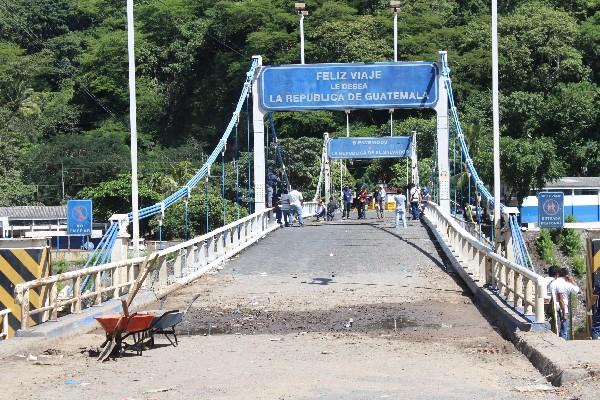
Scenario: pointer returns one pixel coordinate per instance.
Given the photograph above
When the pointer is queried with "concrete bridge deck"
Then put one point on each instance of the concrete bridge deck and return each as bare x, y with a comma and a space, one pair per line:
349, 309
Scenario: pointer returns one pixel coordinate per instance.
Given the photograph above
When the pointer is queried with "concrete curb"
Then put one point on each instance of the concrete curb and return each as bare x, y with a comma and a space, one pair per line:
550, 355
558, 360
507, 320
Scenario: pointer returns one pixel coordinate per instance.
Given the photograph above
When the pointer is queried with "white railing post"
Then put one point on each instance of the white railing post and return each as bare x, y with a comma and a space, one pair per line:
177, 264
540, 290
202, 256
163, 273
25, 311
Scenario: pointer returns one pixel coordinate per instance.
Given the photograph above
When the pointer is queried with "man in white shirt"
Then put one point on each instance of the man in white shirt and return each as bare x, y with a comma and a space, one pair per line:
400, 200
415, 201
561, 289
296, 202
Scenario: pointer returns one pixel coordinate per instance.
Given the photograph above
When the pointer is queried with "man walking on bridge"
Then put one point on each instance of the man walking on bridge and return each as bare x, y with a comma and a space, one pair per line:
296, 201
400, 200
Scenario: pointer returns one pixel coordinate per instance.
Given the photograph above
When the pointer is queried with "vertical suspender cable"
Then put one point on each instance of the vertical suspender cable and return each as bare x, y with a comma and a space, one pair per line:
187, 221
249, 159
462, 200
237, 172
160, 223
454, 172
206, 202
223, 188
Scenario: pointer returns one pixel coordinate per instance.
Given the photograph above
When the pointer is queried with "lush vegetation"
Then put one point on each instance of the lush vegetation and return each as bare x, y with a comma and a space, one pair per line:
64, 96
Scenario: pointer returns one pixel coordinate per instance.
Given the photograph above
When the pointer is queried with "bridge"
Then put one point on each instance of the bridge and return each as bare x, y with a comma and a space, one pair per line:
348, 308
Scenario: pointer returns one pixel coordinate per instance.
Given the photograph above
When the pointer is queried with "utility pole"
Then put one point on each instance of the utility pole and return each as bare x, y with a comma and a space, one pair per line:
133, 127
394, 6
495, 113
301, 10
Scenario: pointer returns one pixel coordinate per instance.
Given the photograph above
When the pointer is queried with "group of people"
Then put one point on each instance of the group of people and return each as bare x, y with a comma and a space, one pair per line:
326, 211
414, 197
560, 286
287, 206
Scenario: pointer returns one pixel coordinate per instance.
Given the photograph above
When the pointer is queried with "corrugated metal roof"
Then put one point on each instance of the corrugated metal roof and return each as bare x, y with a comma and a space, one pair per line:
34, 212
575, 182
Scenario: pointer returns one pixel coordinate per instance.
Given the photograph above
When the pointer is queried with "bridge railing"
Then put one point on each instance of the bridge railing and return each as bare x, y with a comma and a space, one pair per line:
4, 326
521, 288
187, 260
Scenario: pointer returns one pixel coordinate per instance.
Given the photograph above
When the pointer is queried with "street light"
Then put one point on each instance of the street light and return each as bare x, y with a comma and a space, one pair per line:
301, 10
495, 113
133, 126
394, 7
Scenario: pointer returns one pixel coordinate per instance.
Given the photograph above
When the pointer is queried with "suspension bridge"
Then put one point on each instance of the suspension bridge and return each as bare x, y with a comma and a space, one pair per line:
346, 290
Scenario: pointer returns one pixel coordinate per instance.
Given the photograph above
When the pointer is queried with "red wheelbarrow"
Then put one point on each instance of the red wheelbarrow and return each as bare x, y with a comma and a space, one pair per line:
118, 328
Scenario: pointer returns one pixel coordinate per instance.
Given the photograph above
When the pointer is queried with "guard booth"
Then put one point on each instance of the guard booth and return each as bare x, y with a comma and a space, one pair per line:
23, 260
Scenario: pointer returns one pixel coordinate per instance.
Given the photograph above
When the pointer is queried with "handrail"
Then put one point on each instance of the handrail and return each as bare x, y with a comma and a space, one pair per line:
176, 262
521, 288
4, 327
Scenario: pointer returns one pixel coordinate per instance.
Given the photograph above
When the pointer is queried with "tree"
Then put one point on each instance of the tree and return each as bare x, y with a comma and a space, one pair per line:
527, 164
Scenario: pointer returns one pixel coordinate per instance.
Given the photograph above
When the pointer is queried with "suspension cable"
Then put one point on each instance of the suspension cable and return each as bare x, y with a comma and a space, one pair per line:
224, 201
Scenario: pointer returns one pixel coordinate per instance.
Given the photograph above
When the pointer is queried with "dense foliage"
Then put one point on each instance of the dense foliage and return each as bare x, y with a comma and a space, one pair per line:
64, 96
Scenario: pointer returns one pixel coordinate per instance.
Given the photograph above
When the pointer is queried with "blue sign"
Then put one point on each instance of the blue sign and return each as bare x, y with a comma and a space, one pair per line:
79, 217
349, 86
551, 211
369, 147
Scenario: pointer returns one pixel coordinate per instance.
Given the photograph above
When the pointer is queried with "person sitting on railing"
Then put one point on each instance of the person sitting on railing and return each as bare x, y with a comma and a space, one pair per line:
320, 210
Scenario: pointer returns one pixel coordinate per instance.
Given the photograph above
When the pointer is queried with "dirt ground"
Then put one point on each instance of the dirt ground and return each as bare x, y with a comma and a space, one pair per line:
344, 310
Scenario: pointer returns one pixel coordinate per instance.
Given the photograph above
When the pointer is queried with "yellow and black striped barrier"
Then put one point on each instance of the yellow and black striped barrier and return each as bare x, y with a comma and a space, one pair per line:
18, 265
593, 272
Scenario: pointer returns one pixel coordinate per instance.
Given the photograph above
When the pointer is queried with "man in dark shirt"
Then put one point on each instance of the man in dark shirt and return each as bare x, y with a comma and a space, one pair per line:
347, 200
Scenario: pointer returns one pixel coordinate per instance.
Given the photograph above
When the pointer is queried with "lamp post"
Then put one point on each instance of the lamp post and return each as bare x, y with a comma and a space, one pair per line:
495, 113
394, 7
301, 10
133, 127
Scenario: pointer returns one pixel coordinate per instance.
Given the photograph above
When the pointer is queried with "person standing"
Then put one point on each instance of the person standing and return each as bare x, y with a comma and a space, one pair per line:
380, 195
415, 201
272, 180
400, 200
362, 203
296, 201
561, 289
285, 207
347, 200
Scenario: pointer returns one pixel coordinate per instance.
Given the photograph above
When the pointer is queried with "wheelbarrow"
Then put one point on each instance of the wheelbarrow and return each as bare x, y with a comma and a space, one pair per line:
165, 324
118, 328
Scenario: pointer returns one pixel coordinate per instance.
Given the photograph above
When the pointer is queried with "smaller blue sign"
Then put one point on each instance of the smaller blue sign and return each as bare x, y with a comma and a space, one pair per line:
79, 217
551, 210
369, 147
